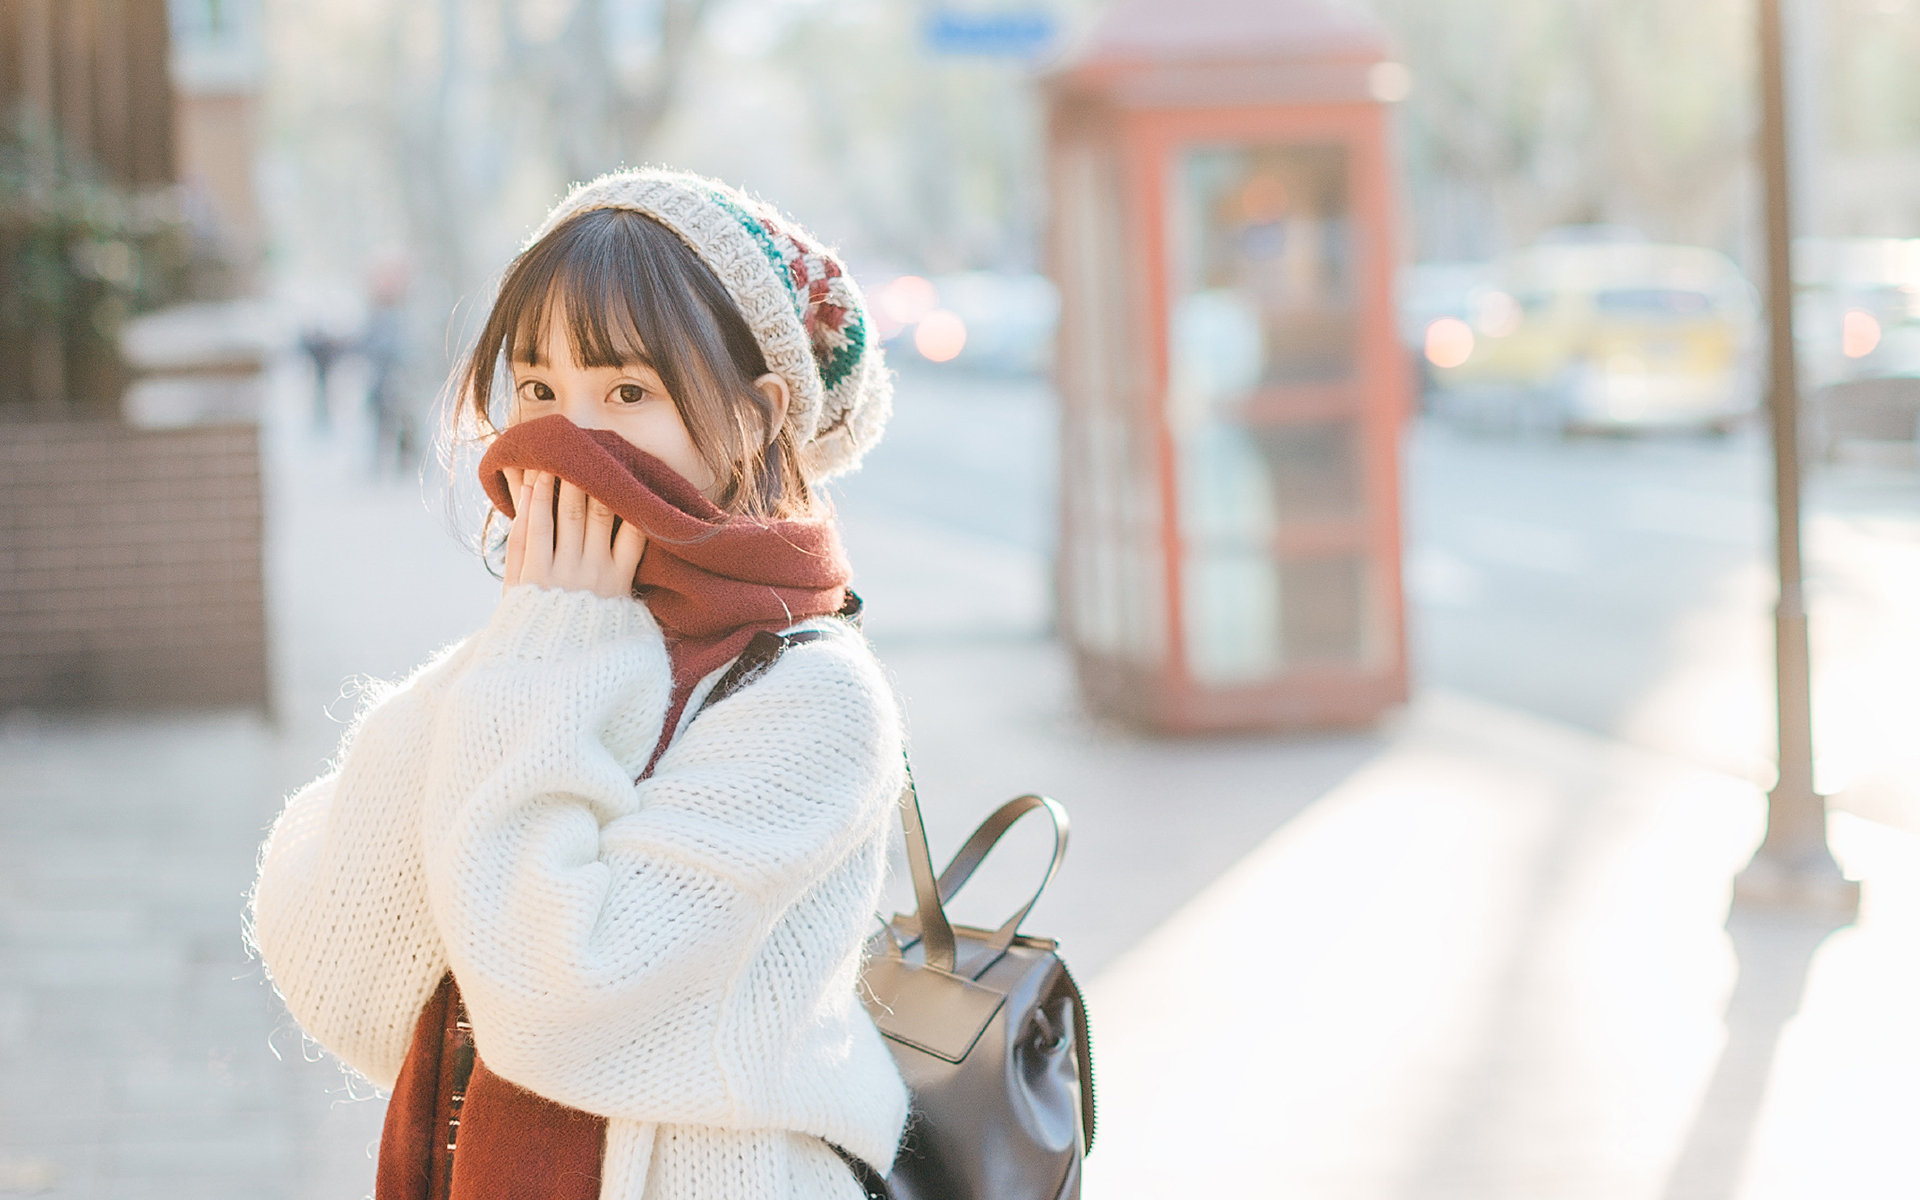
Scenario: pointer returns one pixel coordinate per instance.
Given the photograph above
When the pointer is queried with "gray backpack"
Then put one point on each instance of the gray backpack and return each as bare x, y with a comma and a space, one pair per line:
987, 1026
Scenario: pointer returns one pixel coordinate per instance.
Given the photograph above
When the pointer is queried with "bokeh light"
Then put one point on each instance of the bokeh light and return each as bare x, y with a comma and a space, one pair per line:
906, 299
1859, 333
941, 335
1449, 342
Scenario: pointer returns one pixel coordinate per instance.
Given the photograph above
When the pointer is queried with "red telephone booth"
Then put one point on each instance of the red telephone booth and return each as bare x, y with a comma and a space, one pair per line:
1233, 391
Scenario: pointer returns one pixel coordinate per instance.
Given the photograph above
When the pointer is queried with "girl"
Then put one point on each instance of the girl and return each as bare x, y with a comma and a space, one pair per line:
598, 940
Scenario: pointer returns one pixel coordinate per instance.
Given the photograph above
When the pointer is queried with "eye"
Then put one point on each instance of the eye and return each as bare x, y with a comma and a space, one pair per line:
534, 390
630, 393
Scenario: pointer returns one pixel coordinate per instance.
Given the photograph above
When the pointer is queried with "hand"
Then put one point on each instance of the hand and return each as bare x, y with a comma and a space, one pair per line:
580, 552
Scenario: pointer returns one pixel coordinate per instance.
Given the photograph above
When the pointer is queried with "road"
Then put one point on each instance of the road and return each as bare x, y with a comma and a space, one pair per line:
1626, 586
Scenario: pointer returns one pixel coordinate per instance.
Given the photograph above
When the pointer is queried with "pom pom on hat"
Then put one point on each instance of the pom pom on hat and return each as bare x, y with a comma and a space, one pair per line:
805, 311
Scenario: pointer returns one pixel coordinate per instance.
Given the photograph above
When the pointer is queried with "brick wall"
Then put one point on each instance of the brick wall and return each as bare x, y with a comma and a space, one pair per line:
130, 567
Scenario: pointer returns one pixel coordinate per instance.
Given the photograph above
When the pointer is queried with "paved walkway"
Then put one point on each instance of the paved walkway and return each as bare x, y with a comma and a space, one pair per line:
1469, 954
1491, 963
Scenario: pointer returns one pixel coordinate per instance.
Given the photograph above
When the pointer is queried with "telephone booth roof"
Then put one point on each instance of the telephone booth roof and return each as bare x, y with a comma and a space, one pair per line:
1146, 33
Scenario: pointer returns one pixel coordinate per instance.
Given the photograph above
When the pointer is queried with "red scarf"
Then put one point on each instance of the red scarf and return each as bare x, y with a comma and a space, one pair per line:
712, 580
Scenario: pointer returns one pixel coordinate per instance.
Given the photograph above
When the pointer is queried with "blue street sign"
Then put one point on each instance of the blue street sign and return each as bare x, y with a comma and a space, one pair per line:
1017, 33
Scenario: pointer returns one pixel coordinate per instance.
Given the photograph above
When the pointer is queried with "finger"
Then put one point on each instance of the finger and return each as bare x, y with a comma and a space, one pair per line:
628, 545
517, 532
516, 482
537, 566
599, 524
570, 545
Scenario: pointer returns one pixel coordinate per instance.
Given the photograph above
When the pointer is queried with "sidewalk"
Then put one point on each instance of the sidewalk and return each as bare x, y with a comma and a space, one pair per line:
1469, 954
1491, 964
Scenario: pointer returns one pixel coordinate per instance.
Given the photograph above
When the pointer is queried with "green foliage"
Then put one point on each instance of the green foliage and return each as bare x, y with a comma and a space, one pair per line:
78, 256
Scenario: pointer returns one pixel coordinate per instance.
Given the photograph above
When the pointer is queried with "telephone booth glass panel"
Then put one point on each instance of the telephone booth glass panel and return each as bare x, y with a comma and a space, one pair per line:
1262, 405
1112, 566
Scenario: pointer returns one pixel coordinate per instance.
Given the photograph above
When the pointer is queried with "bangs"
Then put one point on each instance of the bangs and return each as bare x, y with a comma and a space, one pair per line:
605, 323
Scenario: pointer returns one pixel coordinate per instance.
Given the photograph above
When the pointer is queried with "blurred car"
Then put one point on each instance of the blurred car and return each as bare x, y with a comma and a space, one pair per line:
1856, 308
1601, 335
1863, 418
1856, 321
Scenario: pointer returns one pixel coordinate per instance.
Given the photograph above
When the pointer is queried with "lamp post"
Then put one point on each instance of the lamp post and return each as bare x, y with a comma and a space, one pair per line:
1793, 864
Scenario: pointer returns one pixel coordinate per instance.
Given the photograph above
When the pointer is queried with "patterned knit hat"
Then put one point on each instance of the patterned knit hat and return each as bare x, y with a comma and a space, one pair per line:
804, 309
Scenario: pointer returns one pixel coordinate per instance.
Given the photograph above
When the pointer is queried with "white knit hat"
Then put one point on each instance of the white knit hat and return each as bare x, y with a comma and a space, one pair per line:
804, 309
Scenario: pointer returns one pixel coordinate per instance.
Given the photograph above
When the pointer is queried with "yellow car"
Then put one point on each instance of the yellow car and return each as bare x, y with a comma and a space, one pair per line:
1601, 336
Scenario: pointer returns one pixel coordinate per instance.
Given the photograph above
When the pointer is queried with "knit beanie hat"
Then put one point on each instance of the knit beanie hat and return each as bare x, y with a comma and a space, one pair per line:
804, 309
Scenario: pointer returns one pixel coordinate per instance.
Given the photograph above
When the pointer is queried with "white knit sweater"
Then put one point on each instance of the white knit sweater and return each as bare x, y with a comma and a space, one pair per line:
680, 956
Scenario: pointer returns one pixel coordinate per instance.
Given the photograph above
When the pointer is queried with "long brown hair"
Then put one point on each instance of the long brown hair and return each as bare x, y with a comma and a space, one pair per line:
629, 290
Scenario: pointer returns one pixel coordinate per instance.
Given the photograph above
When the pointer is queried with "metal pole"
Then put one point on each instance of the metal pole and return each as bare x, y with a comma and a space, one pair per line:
1793, 863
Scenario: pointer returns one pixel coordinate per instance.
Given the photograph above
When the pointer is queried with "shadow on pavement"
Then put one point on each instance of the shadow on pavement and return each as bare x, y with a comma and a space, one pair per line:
1775, 952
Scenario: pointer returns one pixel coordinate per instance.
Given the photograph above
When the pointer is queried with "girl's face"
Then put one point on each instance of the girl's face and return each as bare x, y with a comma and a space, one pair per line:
628, 399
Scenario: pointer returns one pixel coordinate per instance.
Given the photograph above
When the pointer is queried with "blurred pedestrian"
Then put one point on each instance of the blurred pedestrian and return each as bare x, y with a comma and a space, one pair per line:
600, 938
322, 350
384, 346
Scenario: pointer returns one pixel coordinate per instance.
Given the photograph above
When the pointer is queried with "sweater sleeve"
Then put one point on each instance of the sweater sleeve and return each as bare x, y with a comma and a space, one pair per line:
339, 912
606, 934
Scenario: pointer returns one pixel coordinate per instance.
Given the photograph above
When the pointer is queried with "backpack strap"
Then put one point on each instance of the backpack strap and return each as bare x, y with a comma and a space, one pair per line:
766, 648
756, 660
